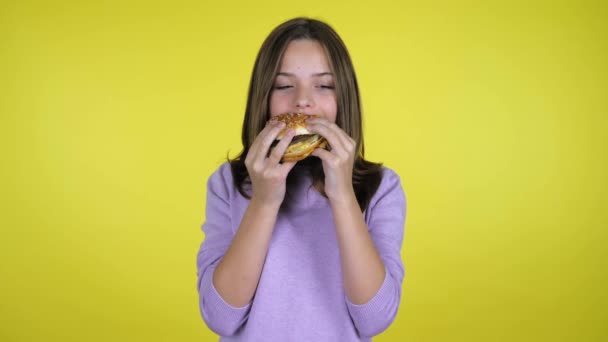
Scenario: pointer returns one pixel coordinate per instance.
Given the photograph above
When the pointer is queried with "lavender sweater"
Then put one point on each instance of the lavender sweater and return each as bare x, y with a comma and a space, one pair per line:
300, 296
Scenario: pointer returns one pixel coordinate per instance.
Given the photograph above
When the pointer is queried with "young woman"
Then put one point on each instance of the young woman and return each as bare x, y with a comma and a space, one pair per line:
306, 251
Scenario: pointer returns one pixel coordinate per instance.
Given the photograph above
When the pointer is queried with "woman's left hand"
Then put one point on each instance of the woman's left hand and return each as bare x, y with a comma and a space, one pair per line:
337, 163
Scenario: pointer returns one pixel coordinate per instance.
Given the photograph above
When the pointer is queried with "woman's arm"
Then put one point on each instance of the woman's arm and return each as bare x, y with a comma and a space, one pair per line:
238, 273
236, 276
362, 269
370, 256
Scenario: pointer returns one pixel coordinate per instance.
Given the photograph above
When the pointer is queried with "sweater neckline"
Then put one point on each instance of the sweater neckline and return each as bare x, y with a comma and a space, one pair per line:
301, 194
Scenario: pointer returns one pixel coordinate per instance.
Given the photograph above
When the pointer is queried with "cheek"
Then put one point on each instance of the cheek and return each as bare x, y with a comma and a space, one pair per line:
273, 105
330, 107
278, 104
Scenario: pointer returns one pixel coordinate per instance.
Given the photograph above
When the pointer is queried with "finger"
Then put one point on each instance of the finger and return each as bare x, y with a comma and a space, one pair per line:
254, 146
346, 140
265, 139
325, 131
322, 154
277, 152
286, 167
269, 124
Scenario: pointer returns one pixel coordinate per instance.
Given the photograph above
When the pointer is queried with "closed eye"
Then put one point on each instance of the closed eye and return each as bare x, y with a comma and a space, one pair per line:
282, 87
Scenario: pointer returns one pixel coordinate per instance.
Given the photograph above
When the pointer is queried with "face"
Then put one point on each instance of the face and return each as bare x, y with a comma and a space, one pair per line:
304, 83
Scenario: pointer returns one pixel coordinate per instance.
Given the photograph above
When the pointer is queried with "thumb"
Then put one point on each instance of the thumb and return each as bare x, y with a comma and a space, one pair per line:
321, 153
286, 167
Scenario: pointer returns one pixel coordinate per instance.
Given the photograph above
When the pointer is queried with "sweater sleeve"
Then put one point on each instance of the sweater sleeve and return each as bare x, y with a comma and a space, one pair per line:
386, 223
220, 316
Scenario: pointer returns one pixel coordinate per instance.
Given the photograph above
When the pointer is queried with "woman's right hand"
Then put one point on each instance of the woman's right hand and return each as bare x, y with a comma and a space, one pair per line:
266, 173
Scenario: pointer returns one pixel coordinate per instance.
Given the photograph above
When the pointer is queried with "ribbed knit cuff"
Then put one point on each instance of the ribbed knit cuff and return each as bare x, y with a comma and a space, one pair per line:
216, 306
374, 316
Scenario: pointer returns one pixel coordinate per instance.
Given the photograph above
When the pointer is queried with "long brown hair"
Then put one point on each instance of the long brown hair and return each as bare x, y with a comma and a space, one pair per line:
366, 175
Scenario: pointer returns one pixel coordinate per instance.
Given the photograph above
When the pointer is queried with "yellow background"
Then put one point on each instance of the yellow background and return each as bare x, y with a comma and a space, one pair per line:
114, 113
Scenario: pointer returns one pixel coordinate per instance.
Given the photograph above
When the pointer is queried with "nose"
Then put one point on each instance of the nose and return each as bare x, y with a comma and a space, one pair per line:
304, 99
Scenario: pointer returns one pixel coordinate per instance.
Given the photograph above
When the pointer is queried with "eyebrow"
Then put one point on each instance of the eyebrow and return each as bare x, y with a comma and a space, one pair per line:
288, 74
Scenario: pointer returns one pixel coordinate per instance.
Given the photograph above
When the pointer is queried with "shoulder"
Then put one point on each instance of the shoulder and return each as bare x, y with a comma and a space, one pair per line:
389, 175
390, 188
222, 172
221, 180
390, 180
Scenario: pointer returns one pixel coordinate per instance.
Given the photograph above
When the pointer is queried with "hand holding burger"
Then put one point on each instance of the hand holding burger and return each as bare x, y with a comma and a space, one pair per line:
284, 141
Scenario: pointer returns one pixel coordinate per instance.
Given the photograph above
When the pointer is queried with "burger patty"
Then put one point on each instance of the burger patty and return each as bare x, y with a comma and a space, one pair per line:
295, 139
300, 138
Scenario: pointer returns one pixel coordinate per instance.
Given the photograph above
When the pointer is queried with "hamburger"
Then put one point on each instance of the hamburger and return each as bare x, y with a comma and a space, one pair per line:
303, 142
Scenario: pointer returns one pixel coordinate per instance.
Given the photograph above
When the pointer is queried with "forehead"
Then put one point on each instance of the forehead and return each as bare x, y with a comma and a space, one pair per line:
304, 55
